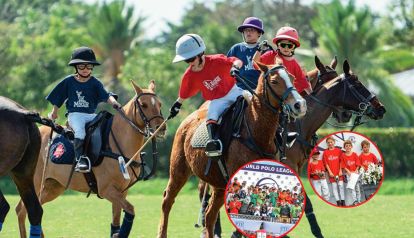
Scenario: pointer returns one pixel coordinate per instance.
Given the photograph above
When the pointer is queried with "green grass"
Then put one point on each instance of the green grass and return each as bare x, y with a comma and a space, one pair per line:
75, 216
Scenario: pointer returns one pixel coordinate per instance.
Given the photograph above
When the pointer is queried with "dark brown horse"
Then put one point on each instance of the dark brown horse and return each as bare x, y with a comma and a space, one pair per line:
261, 116
19, 150
143, 110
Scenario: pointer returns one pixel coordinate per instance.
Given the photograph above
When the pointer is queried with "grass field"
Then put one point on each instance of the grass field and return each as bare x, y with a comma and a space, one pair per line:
73, 215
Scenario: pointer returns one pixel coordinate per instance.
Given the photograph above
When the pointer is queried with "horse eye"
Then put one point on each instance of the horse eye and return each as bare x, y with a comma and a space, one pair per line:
144, 105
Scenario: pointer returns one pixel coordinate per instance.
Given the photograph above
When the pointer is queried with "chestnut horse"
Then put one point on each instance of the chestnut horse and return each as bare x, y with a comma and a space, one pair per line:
261, 116
19, 146
143, 110
317, 114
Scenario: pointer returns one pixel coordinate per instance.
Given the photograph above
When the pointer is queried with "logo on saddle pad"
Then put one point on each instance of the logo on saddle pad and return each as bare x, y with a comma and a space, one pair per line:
59, 150
212, 84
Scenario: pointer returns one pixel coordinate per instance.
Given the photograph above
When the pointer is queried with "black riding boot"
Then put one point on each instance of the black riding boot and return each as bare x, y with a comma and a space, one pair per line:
213, 146
83, 165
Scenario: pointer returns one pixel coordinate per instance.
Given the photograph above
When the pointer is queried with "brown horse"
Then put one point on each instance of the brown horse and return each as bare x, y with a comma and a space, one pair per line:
19, 146
261, 116
331, 92
143, 110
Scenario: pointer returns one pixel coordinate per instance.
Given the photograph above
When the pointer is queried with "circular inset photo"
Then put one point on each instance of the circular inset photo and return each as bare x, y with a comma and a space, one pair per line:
265, 198
345, 169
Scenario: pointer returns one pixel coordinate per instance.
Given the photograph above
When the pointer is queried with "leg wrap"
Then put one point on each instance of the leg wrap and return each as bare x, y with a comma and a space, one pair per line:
126, 225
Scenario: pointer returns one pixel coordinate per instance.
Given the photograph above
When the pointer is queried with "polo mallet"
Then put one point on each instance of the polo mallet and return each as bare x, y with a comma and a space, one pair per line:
197, 225
45, 162
124, 167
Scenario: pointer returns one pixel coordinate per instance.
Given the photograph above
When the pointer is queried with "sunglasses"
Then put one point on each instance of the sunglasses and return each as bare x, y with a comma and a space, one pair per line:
287, 45
83, 66
190, 59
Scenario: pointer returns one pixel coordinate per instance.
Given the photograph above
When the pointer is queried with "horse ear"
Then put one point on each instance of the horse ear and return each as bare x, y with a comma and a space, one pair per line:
334, 62
137, 89
346, 68
261, 66
319, 65
151, 86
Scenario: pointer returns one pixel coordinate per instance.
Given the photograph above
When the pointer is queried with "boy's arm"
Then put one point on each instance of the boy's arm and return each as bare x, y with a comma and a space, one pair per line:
54, 113
115, 104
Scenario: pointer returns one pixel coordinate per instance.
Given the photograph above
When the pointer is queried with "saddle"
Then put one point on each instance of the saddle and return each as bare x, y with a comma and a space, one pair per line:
230, 123
96, 140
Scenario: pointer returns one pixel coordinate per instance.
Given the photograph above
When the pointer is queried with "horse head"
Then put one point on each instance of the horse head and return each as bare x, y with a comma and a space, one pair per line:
147, 109
355, 97
276, 87
323, 73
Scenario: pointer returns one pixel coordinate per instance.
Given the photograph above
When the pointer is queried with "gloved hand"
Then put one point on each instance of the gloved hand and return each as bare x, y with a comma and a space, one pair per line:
175, 109
264, 46
234, 70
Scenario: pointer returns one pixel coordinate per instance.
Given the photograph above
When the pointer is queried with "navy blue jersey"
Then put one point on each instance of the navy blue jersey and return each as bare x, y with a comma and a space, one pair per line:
79, 96
245, 54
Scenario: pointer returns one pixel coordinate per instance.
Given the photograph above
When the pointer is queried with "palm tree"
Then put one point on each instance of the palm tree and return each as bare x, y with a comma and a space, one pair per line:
114, 28
352, 34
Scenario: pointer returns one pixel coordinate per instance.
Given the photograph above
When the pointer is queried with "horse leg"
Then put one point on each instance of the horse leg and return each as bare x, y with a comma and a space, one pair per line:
27, 192
116, 218
119, 199
204, 199
4, 209
316, 230
21, 218
216, 202
179, 174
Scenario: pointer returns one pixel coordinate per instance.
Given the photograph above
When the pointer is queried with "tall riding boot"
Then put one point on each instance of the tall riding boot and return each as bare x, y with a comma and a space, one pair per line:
214, 146
83, 165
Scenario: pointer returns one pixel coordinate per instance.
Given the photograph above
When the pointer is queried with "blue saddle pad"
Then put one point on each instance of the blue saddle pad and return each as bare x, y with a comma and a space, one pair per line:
61, 150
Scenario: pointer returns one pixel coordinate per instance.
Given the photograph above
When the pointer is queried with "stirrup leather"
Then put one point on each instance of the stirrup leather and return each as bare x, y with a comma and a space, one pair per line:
214, 148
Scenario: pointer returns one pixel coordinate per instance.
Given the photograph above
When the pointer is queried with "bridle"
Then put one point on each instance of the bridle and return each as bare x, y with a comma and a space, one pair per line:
364, 106
267, 88
147, 128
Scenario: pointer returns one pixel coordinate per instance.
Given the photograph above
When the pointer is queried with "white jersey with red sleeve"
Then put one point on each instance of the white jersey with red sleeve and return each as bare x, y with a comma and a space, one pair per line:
214, 80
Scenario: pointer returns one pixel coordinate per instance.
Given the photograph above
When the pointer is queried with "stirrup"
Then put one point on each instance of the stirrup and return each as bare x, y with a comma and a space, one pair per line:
88, 164
214, 148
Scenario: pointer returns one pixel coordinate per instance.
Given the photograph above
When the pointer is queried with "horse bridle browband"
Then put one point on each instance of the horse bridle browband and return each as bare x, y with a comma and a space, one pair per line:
147, 129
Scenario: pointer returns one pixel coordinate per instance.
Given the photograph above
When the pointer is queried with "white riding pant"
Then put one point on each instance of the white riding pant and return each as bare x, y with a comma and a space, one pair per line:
219, 105
77, 121
356, 192
335, 186
321, 187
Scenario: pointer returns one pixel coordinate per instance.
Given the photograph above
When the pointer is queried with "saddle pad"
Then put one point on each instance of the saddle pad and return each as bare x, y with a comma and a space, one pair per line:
61, 150
200, 137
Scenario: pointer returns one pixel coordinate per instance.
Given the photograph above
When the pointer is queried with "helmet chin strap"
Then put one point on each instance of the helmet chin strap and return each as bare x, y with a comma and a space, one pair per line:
280, 52
255, 43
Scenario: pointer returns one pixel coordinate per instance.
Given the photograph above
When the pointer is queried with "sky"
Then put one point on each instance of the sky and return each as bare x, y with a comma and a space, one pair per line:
158, 11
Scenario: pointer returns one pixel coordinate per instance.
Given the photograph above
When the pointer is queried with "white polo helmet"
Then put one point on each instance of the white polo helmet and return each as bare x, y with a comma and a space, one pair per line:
188, 46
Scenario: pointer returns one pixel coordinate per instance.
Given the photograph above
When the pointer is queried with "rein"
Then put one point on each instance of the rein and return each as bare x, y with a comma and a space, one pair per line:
249, 142
363, 106
146, 131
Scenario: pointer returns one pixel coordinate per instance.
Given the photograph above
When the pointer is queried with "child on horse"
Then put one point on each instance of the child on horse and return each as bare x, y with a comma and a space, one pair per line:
251, 30
209, 74
287, 40
82, 93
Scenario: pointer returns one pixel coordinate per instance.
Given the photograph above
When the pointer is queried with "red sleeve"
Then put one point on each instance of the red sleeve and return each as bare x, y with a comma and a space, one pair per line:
188, 87
358, 161
224, 60
300, 78
268, 58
